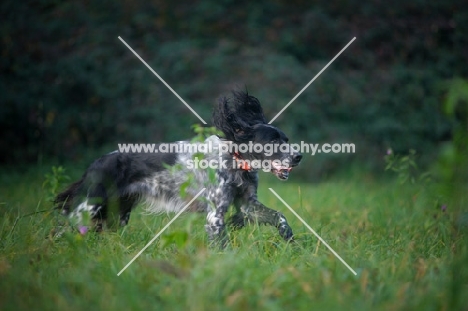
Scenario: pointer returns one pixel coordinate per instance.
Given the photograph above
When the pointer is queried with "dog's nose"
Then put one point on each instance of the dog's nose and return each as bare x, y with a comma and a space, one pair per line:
297, 158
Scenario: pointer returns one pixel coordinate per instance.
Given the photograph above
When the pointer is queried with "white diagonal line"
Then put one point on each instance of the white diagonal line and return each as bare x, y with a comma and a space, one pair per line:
162, 80
312, 230
160, 232
316, 76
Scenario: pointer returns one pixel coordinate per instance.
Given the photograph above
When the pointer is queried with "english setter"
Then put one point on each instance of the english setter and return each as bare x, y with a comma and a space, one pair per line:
119, 181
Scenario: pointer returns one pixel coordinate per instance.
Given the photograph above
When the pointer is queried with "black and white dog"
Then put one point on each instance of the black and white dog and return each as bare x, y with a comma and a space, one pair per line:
119, 181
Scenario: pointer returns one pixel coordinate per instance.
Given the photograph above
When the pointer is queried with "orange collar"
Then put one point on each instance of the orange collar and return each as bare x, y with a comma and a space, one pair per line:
241, 163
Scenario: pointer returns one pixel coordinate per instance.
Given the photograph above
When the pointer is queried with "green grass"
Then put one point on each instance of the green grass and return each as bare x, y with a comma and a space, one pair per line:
408, 255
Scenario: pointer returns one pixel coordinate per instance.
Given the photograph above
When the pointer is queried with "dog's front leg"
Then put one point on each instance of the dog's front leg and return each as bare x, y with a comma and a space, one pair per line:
258, 212
215, 226
220, 199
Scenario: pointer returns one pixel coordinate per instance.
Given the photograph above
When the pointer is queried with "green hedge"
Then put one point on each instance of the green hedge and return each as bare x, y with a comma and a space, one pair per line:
68, 85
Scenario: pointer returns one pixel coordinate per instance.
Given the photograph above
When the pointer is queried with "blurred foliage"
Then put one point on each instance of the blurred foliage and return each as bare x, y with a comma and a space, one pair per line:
452, 165
203, 132
406, 168
54, 181
68, 85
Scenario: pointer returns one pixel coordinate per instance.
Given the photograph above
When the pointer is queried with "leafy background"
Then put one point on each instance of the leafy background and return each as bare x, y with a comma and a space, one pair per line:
70, 89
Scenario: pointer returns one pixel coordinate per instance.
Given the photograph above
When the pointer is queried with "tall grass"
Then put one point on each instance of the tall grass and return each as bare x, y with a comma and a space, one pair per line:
409, 254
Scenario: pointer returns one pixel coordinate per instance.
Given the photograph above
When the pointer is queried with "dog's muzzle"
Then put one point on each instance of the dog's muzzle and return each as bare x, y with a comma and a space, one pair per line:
283, 172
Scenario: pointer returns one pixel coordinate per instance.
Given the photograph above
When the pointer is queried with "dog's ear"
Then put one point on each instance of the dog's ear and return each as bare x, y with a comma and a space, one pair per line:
248, 108
231, 124
235, 117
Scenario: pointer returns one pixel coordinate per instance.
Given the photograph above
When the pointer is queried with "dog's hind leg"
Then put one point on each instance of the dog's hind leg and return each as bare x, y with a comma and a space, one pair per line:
91, 210
126, 205
257, 212
100, 210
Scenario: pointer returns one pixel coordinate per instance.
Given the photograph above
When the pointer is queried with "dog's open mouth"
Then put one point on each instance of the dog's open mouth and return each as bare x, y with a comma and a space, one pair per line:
281, 172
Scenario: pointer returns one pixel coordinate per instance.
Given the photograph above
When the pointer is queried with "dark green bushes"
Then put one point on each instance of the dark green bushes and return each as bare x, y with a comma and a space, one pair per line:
68, 85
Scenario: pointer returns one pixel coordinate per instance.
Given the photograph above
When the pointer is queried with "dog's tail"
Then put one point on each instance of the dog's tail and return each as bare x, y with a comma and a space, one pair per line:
64, 200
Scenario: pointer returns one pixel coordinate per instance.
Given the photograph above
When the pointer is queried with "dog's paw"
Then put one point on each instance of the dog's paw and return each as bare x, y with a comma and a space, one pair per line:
286, 232
217, 236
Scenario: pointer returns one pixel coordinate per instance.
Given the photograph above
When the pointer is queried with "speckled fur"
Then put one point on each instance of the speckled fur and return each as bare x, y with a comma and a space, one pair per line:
156, 179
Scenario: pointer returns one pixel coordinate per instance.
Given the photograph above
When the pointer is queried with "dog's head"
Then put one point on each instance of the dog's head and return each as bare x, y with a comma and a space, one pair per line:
240, 117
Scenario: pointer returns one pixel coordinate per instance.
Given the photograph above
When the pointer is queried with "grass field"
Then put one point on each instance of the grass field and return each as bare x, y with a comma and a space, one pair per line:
408, 253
